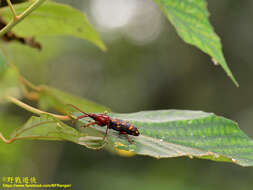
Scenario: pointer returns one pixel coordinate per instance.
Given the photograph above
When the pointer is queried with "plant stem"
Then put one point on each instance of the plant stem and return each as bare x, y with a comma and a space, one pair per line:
35, 110
6, 140
29, 84
12, 10
19, 18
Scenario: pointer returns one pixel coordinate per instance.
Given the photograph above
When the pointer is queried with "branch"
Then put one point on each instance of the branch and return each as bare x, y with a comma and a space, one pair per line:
20, 17
12, 10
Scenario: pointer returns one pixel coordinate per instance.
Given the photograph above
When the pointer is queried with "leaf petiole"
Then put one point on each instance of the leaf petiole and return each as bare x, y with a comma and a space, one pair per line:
6, 140
15, 17
35, 110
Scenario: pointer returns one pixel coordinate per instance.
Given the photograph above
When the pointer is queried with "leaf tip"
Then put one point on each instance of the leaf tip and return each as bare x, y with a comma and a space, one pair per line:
102, 47
234, 80
234, 160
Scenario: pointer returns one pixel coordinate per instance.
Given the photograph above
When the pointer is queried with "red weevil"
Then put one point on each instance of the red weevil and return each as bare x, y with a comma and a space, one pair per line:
104, 120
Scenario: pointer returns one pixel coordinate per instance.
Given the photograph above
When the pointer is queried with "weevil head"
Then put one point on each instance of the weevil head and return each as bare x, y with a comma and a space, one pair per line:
135, 132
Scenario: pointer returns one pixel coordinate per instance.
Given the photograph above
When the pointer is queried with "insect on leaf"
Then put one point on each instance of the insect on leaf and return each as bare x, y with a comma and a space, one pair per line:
175, 133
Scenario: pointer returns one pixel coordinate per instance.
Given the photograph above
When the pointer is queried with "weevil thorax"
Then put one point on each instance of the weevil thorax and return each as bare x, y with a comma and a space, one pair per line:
101, 118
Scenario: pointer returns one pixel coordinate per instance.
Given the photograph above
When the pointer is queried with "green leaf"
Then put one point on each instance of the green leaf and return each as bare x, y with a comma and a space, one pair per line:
24, 55
54, 19
9, 84
57, 99
47, 127
174, 133
190, 18
9, 155
3, 63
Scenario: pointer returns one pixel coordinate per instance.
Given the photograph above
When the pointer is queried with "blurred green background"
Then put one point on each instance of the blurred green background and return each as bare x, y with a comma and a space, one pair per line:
146, 67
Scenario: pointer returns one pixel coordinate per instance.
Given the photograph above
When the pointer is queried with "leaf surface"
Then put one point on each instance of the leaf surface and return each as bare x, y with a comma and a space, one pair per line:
9, 84
190, 18
164, 134
47, 127
53, 98
54, 19
3, 63
174, 133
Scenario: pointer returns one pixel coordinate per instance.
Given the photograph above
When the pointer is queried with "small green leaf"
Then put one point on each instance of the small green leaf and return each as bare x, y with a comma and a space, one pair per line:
8, 154
3, 63
54, 19
54, 98
174, 133
9, 84
47, 127
190, 18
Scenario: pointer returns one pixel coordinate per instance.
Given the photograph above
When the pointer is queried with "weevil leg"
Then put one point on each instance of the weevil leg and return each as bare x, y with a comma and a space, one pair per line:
79, 117
124, 133
131, 142
92, 123
106, 132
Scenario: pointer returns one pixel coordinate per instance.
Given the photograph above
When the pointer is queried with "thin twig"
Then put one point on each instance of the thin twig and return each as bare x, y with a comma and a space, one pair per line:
29, 84
35, 94
15, 17
6, 140
20, 17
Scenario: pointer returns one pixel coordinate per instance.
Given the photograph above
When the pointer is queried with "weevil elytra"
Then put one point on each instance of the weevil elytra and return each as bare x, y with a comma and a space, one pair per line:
102, 120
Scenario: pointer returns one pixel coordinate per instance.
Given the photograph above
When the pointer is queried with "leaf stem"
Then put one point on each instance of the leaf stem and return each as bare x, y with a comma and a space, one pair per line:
35, 110
6, 140
20, 17
34, 95
29, 84
15, 17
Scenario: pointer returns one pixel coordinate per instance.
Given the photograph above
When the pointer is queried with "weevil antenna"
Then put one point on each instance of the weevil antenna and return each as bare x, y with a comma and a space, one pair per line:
77, 108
